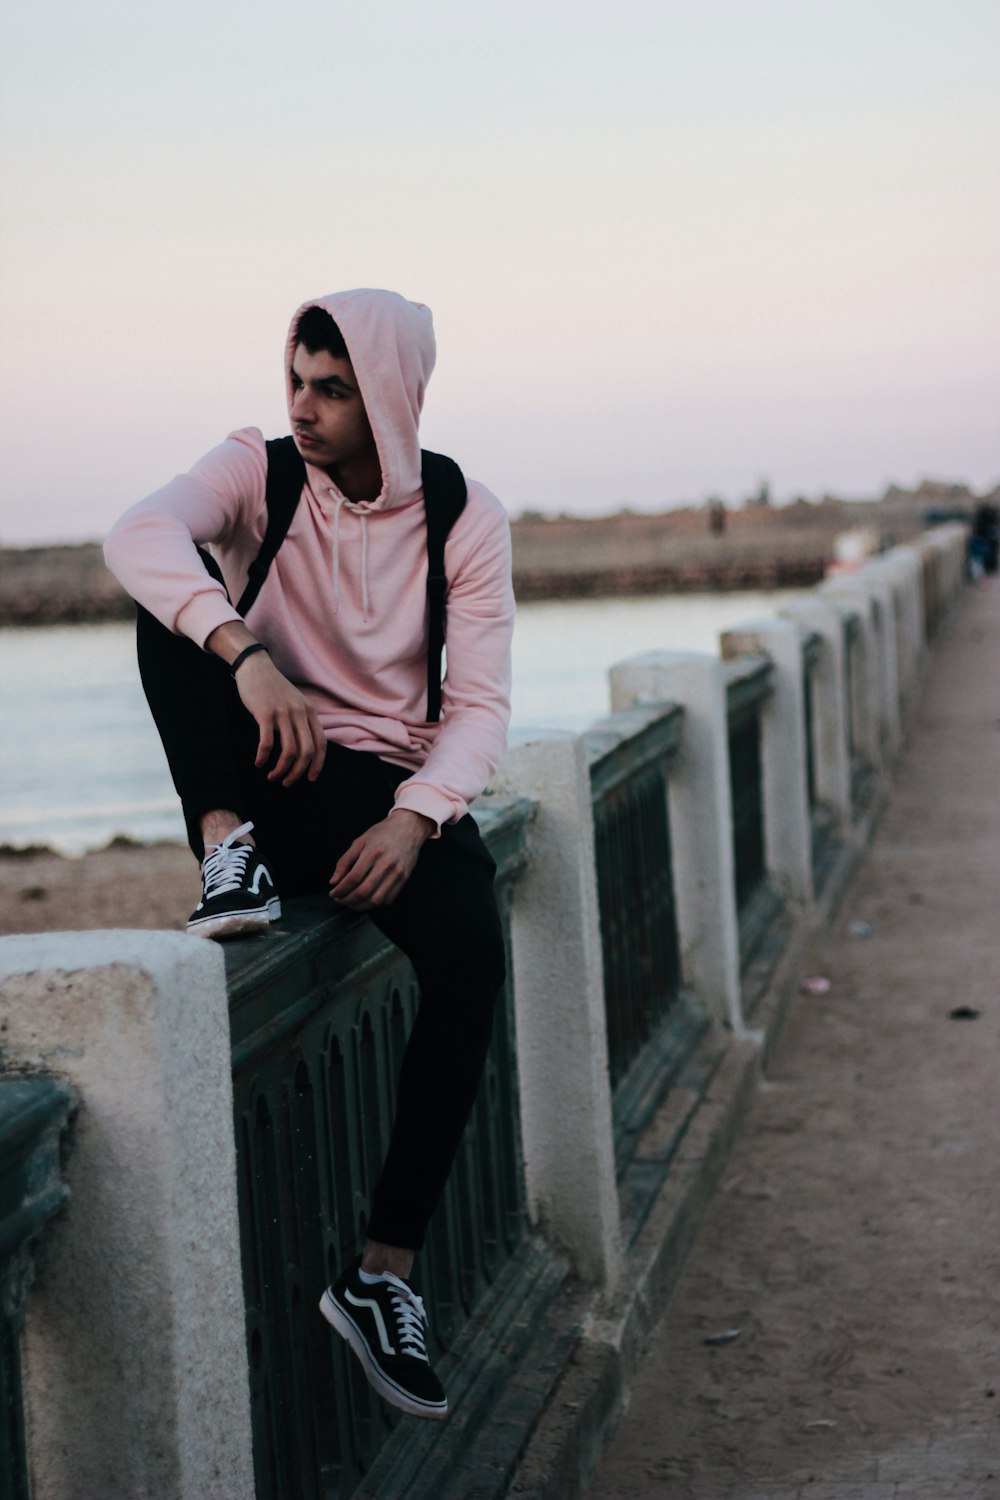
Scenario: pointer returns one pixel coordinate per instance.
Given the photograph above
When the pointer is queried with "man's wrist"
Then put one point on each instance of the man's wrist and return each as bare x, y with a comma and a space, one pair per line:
227, 641
250, 650
421, 822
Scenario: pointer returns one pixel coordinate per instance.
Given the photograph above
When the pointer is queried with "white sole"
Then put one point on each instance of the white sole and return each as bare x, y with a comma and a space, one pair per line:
376, 1378
238, 922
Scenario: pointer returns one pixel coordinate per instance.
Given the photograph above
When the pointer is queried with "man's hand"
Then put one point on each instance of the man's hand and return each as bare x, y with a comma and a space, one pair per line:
375, 868
284, 718
283, 715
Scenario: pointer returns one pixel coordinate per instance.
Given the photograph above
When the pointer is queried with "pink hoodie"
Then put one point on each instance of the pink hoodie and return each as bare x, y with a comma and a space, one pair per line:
343, 610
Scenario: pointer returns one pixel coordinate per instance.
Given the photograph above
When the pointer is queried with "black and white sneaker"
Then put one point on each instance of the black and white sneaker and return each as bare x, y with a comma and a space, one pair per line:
238, 892
383, 1321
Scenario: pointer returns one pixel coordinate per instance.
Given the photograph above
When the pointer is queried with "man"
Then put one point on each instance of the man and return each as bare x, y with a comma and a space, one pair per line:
303, 750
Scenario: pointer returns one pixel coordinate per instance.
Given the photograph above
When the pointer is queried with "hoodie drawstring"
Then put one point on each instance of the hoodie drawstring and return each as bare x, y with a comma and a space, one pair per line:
336, 559
336, 555
364, 567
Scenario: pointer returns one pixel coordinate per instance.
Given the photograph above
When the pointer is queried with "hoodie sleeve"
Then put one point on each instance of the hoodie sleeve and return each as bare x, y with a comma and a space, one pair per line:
151, 549
475, 695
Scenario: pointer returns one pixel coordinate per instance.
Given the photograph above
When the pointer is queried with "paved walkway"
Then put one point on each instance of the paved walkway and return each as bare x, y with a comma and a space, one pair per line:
855, 1243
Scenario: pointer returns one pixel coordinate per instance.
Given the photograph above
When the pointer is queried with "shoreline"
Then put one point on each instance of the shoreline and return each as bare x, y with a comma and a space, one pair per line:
117, 843
125, 884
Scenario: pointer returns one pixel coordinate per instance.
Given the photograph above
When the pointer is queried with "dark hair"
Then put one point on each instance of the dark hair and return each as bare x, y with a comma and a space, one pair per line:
317, 330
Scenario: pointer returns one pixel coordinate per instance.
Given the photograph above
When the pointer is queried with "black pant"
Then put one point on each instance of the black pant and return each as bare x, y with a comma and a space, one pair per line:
445, 919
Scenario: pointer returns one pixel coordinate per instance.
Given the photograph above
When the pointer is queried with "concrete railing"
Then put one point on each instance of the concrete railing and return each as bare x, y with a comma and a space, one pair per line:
135, 1347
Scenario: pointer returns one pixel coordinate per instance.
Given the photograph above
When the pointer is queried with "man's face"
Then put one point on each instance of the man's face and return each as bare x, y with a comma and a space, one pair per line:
329, 421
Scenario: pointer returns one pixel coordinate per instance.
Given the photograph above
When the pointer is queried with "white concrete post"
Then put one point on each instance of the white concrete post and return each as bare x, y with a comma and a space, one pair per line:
881, 587
701, 819
784, 767
909, 574
851, 592
562, 1043
135, 1361
897, 569
830, 748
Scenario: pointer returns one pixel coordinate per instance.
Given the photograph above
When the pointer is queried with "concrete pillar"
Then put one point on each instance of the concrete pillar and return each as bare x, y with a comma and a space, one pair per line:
701, 819
851, 592
881, 586
784, 768
135, 1361
900, 579
908, 572
830, 749
562, 1042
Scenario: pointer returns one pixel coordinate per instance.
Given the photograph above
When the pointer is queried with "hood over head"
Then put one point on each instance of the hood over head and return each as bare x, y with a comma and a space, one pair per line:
391, 346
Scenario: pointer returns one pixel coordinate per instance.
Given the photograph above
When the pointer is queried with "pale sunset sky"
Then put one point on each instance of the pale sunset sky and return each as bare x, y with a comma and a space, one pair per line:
671, 249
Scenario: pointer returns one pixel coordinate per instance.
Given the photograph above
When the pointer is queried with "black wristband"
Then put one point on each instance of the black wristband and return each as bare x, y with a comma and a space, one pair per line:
234, 666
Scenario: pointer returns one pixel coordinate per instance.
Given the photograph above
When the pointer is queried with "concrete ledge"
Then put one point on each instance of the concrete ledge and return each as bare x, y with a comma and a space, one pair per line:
135, 1363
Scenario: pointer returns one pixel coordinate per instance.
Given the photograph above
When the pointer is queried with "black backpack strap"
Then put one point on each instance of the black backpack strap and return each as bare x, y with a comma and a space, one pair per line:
444, 500
286, 474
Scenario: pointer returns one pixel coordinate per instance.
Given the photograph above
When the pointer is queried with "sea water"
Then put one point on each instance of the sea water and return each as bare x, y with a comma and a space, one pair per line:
80, 761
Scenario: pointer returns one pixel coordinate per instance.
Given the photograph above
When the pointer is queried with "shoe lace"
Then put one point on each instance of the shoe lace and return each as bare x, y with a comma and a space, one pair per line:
224, 868
408, 1311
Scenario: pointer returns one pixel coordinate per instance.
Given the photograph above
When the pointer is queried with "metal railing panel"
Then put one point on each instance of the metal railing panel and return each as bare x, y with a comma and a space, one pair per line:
748, 807
809, 730
852, 655
860, 769
638, 921
812, 646
748, 683
629, 754
626, 742
320, 1017
748, 686
823, 844
34, 1110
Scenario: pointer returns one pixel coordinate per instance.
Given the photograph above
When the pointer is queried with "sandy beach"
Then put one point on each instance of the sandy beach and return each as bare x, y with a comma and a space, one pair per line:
125, 885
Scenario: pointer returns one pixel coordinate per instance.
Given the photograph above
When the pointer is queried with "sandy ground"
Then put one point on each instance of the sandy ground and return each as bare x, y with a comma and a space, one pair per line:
853, 1253
123, 886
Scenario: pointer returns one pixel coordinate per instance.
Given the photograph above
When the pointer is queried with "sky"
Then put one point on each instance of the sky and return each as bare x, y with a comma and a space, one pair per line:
671, 250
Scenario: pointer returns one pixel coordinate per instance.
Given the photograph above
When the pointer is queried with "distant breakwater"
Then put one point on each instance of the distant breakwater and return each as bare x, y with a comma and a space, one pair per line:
720, 575
51, 593
558, 558
59, 586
